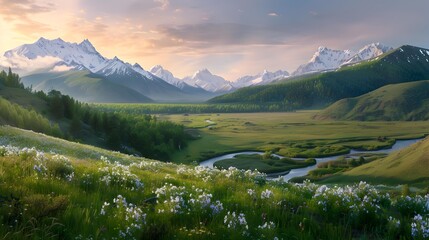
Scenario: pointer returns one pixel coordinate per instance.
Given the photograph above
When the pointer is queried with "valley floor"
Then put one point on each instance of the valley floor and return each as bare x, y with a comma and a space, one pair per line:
294, 134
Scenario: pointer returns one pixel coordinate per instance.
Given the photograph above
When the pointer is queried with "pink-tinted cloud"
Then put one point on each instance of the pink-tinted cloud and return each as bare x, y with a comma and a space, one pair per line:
19, 12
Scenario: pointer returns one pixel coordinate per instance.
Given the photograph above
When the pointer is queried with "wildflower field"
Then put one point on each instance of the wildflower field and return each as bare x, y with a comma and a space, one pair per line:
98, 194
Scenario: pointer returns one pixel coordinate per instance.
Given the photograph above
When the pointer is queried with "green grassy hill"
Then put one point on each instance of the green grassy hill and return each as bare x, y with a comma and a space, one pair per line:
84, 86
409, 165
396, 102
404, 64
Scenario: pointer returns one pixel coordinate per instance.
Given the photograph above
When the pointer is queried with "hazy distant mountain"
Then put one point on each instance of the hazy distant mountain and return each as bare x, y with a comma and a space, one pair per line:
265, 77
84, 56
206, 80
326, 59
84, 86
167, 76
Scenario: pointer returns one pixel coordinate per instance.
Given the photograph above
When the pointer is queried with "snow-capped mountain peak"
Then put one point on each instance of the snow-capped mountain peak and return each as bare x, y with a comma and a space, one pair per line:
202, 73
87, 45
262, 78
369, 51
158, 68
206, 80
114, 66
166, 75
136, 65
326, 59
81, 56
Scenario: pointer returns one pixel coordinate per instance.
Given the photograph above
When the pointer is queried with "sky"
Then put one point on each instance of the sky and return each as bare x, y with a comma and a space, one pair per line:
231, 38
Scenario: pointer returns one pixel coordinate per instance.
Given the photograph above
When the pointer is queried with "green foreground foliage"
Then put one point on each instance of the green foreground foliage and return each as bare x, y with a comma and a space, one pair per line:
50, 196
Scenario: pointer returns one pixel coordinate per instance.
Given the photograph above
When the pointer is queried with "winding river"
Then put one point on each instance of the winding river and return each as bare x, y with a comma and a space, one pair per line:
303, 171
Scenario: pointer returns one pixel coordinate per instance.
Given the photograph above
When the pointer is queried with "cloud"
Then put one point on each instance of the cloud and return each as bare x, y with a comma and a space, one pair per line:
84, 28
61, 68
19, 14
15, 9
206, 35
238, 35
24, 65
164, 3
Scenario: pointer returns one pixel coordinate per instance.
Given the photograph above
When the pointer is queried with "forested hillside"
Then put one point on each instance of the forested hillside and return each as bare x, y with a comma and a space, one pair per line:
404, 64
60, 115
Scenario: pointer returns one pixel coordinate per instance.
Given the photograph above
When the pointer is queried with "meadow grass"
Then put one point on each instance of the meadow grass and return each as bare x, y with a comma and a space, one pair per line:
289, 134
107, 195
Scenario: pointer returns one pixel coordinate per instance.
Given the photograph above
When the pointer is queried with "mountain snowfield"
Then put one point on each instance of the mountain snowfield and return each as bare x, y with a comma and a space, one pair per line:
208, 81
166, 75
82, 56
326, 59
260, 79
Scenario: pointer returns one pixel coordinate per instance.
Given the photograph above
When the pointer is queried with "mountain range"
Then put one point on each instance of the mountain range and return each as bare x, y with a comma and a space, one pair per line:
79, 70
263, 78
404, 64
79, 61
202, 79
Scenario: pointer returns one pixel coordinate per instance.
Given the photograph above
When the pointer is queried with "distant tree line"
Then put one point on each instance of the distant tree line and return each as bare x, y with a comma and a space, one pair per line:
144, 135
155, 108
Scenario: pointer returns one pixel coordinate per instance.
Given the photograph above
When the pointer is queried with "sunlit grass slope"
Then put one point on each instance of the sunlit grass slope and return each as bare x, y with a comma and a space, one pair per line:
396, 102
409, 165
